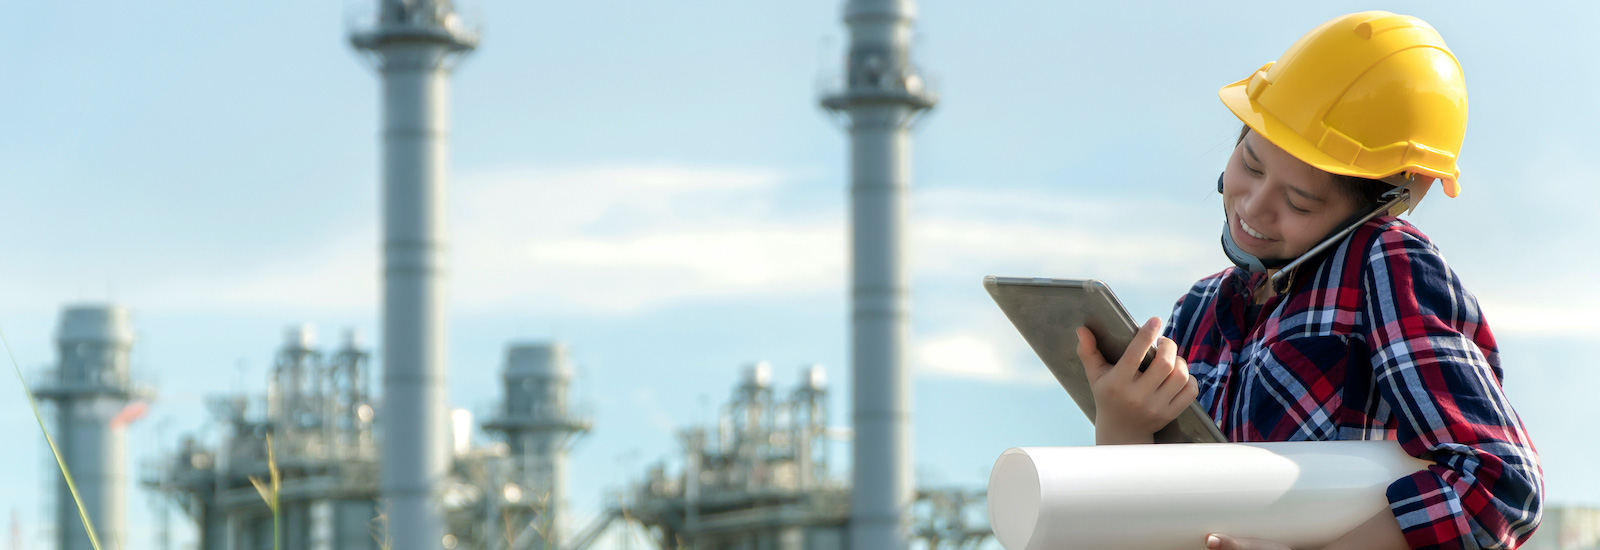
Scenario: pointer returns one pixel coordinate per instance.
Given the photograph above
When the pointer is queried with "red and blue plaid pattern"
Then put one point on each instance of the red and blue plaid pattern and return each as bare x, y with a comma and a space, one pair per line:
1379, 341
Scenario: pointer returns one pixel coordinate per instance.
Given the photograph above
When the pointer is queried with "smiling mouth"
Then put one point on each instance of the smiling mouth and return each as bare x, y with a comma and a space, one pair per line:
1251, 231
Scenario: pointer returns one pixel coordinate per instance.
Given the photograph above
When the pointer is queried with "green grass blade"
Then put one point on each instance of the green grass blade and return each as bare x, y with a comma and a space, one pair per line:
277, 485
269, 489
88, 526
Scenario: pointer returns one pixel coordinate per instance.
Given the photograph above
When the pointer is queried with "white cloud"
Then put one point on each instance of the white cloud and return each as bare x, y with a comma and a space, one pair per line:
340, 274
1570, 314
617, 239
981, 351
961, 355
1042, 234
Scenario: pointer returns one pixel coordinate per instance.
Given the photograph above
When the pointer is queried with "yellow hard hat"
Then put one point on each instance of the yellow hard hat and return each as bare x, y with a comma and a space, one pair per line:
1370, 94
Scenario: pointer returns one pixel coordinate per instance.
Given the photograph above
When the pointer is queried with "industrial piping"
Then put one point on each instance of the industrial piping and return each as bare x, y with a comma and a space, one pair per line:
414, 45
882, 97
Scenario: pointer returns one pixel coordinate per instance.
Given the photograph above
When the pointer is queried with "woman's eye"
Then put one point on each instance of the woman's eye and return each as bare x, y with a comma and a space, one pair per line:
1296, 208
1252, 169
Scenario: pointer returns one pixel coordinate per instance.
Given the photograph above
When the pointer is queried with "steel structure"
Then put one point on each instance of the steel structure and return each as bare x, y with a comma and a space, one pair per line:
760, 479
94, 399
414, 45
318, 409
539, 427
882, 96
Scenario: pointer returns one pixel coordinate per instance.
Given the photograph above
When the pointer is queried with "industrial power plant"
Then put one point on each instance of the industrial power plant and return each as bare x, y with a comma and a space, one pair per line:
339, 451
346, 443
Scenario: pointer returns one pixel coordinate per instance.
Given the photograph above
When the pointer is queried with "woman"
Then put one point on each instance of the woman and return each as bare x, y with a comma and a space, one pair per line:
1340, 320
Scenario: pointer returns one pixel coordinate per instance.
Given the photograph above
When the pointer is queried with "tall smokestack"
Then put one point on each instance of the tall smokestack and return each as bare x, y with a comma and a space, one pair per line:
882, 96
95, 402
413, 45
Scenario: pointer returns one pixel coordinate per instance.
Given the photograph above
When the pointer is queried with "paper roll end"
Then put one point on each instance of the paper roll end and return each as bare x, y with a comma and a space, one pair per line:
1014, 498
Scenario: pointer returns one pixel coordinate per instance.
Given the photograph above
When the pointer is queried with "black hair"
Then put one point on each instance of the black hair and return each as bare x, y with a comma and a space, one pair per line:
1362, 190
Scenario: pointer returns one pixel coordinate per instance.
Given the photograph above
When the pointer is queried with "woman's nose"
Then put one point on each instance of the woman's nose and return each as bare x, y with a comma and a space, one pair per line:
1254, 203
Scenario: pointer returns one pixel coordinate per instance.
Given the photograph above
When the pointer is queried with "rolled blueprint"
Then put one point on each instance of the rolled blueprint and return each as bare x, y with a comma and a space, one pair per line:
1159, 497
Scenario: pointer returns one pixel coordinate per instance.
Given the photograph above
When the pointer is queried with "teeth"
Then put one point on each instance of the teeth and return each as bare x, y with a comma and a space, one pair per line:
1251, 232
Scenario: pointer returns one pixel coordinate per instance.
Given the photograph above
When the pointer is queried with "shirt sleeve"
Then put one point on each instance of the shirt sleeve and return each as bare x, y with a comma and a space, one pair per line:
1437, 369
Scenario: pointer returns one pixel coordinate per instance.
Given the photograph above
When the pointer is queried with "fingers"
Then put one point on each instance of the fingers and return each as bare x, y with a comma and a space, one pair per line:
1128, 365
1185, 397
1174, 383
1216, 541
1094, 364
1161, 368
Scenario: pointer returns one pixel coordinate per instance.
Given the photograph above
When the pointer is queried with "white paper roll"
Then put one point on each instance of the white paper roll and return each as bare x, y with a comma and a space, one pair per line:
1158, 497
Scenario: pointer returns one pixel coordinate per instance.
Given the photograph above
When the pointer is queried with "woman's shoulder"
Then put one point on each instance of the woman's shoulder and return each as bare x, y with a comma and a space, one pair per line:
1389, 237
1403, 274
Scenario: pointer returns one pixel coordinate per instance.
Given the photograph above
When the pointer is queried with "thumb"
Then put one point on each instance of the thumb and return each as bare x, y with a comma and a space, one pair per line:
1216, 541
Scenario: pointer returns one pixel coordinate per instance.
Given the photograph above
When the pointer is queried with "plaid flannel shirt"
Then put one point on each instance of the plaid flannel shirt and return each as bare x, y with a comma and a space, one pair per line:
1378, 341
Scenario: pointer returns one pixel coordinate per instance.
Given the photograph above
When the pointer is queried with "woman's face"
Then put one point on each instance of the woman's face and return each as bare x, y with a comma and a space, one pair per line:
1277, 206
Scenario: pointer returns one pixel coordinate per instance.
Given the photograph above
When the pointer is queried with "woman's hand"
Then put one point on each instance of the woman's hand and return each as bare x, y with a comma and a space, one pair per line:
1130, 406
1223, 542
1380, 532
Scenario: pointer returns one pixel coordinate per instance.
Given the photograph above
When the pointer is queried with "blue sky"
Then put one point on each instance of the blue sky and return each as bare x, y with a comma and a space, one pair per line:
652, 183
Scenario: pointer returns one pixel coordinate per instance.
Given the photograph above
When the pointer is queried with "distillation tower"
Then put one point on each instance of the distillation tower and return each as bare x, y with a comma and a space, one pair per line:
414, 45
539, 427
94, 402
882, 97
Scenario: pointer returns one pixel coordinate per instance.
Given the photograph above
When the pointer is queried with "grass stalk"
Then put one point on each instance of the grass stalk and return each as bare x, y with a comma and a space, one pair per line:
88, 526
269, 489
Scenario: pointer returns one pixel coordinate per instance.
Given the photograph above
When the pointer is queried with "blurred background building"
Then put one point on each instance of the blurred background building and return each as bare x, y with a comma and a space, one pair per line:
318, 409
1567, 528
761, 478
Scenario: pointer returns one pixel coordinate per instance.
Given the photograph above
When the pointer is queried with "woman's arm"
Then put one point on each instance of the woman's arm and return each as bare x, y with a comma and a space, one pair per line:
1436, 367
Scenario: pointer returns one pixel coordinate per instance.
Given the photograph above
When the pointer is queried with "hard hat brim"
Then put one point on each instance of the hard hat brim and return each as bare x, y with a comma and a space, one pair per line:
1237, 98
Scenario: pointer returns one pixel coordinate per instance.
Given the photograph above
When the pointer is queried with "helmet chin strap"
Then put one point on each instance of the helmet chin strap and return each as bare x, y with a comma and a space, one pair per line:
1391, 202
1245, 260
